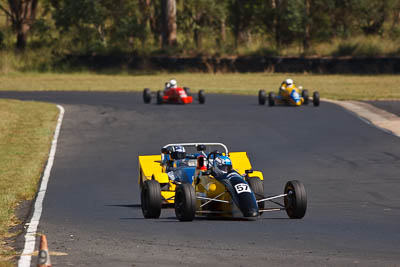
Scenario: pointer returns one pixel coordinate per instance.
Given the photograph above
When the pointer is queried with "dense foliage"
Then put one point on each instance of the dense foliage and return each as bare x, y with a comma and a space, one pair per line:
225, 27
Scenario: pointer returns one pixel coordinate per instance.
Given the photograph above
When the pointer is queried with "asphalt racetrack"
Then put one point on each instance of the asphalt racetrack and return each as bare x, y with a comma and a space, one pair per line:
351, 172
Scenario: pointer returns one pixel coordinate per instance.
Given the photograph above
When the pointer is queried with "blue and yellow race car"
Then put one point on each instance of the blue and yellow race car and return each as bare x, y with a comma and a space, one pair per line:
289, 95
197, 179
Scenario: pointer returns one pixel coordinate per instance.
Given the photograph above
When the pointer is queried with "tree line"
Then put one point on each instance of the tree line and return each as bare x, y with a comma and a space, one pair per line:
76, 26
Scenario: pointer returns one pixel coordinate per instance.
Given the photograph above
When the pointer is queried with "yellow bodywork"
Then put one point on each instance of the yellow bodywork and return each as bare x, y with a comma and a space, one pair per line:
287, 90
150, 168
241, 163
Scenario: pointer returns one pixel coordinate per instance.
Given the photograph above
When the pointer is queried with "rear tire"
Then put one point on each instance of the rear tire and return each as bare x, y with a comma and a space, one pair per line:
305, 96
258, 188
296, 199
262, 97
202, 97
160, 95
271, 99
185, 202
316, 99
146, 95
150, 197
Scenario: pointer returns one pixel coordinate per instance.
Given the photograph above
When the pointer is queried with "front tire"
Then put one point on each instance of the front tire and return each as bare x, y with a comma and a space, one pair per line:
185, 202
296, 199
202, 97
258, 189
271, 99
316, 99
146, 95
262, 97
160, 95
150, 197
305, 96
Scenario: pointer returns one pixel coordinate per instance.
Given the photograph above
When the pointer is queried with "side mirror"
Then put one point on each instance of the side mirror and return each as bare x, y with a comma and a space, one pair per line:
248, 171
201, 148
164, 150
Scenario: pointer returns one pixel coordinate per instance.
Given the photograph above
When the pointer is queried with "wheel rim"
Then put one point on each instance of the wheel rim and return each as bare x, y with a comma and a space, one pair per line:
290, 201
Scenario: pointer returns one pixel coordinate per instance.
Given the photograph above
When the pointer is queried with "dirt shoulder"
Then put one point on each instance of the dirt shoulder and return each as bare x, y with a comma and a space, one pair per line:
392, 106
375, 113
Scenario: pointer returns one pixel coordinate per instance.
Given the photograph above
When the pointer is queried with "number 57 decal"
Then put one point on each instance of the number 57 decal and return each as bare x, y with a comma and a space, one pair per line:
241, 188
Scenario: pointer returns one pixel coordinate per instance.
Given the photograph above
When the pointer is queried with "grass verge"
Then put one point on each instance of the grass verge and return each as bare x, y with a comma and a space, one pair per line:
339, 87
26, 131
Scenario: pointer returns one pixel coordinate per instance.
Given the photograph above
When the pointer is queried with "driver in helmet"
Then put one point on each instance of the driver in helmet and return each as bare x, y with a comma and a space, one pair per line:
178, 152
222, 165
175, 157
286, 87
171, 84
167, 86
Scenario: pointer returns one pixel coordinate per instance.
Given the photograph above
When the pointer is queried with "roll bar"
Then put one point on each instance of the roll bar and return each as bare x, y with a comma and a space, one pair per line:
196, 144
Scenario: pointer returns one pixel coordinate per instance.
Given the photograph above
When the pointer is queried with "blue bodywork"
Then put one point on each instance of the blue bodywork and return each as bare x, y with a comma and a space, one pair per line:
295, 96
181, 169
184, 174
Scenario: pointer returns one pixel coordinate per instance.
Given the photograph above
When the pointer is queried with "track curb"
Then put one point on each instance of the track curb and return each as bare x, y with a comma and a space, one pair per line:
31, 232
382, 119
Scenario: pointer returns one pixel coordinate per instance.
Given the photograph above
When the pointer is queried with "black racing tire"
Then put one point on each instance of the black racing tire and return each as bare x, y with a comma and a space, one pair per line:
262, 97
316, 99
305, 96
202, 97
296, 199
258, 188
185, 202
147, 95
187, 90
271, 99
150, 197
160, 99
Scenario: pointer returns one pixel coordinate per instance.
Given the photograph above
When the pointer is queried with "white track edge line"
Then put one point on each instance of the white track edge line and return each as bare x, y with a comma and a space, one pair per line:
30, 236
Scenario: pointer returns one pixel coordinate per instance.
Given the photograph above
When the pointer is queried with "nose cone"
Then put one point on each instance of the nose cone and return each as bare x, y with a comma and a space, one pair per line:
251, 213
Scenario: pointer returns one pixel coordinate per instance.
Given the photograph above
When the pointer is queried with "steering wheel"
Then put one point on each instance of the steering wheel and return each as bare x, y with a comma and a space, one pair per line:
215, 153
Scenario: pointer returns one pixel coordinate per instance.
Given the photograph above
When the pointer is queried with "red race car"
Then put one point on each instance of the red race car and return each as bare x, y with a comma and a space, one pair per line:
172, 94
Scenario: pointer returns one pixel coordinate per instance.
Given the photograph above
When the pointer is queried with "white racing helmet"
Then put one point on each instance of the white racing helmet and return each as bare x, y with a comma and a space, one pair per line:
178, 152
173, 83
289, 82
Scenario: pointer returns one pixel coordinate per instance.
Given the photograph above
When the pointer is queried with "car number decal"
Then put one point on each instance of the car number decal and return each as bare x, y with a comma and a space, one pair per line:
241, 188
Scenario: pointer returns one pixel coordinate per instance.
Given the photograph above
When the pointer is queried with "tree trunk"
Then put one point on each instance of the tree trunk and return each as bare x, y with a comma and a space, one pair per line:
145, 18
306, 37
277, 22
237, 26
169, 23
223, 30
22, 14
197, 35
22, 37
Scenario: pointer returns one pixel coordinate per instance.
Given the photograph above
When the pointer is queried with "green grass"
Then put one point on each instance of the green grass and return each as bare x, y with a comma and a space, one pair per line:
26, 130
339, 87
